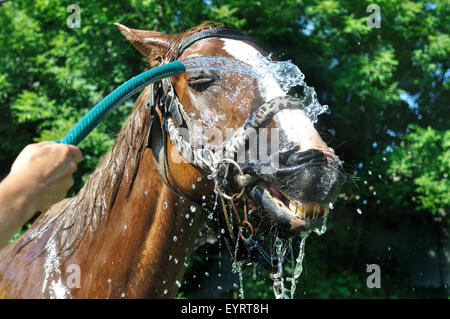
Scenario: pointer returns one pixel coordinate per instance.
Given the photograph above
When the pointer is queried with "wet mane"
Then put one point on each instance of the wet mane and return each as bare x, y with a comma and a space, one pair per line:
84, 212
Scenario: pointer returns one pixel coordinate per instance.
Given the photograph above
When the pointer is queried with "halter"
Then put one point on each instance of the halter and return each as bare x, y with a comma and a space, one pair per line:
174, 117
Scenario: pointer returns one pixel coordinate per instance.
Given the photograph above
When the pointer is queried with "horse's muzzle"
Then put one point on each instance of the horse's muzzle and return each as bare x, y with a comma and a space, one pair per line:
307, 176
296, 197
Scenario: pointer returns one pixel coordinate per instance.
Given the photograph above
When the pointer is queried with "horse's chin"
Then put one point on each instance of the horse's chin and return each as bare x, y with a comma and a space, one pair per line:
290, 216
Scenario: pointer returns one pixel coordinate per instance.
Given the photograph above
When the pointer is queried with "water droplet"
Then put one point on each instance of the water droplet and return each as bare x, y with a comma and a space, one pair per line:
330, 205
187, 216
175, 261
164, 205
122, 295
192, 208
199, 179
166, 291
146, 193
359, 211
174, 238
170, 257
193, 186
207, 274
178, 283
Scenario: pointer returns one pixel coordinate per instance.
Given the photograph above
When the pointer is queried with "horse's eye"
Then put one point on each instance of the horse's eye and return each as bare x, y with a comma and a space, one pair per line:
200, 84
202, 80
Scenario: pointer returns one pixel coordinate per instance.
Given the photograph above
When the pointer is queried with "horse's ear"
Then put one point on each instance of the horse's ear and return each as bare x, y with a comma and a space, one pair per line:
152, 44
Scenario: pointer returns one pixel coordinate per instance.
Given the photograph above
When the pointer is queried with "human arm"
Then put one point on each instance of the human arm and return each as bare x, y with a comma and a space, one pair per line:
39, 177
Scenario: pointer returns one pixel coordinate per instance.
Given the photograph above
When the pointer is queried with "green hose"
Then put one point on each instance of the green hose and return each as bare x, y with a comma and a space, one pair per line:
117, 97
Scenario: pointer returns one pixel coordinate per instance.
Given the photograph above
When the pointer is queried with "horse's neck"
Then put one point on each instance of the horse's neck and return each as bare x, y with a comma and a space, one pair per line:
138, 249
141, 248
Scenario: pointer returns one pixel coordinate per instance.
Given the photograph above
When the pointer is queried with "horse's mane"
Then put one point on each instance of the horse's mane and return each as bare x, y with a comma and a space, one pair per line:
70, 221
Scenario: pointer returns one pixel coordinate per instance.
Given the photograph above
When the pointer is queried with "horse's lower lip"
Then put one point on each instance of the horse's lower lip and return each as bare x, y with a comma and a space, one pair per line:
290, 215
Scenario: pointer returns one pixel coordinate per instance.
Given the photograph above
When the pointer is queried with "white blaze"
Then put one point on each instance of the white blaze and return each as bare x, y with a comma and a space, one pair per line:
294, 124
246, 53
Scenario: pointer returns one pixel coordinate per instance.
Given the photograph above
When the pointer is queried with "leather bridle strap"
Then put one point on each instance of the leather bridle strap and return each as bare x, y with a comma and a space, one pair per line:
219, 32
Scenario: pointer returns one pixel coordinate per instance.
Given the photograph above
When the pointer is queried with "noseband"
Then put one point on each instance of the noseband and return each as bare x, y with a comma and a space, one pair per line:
217, 166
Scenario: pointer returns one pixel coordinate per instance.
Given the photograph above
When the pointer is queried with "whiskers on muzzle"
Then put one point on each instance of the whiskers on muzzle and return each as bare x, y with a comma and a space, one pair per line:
308, 176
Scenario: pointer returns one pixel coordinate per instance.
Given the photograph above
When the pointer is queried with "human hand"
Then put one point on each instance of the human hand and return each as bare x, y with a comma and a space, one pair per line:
45, 170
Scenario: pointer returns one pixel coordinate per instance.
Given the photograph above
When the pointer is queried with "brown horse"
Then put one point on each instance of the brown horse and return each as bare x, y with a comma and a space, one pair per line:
129, 231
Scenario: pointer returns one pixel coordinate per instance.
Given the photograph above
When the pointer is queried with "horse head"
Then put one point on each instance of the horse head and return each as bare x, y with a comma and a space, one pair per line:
293, 195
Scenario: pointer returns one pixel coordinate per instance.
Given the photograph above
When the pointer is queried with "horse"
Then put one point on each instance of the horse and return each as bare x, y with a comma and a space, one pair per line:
129, 231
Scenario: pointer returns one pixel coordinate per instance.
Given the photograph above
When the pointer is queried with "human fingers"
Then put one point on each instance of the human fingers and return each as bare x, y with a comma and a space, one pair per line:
54, 192
75, 152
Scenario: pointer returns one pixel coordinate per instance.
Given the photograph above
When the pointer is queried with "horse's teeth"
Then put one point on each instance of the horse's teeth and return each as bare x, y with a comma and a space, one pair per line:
303, 211
316, 211
307, 210
292, 206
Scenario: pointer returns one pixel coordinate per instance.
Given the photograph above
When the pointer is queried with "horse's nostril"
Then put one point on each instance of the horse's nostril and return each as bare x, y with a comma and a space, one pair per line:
306, 157
287, 152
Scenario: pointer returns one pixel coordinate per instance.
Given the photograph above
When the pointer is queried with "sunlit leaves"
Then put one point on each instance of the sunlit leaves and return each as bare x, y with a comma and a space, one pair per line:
424, 158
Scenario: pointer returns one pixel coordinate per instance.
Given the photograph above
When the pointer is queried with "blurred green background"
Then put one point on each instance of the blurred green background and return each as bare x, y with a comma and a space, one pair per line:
388, 92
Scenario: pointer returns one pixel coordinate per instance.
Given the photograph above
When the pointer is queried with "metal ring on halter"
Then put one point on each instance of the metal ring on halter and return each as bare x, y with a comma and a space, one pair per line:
250, 226
222, 161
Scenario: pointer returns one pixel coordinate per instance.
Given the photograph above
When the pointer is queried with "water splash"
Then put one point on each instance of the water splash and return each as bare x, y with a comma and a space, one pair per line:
320, 231
298, 267
237, 268
275, 78
278, 280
